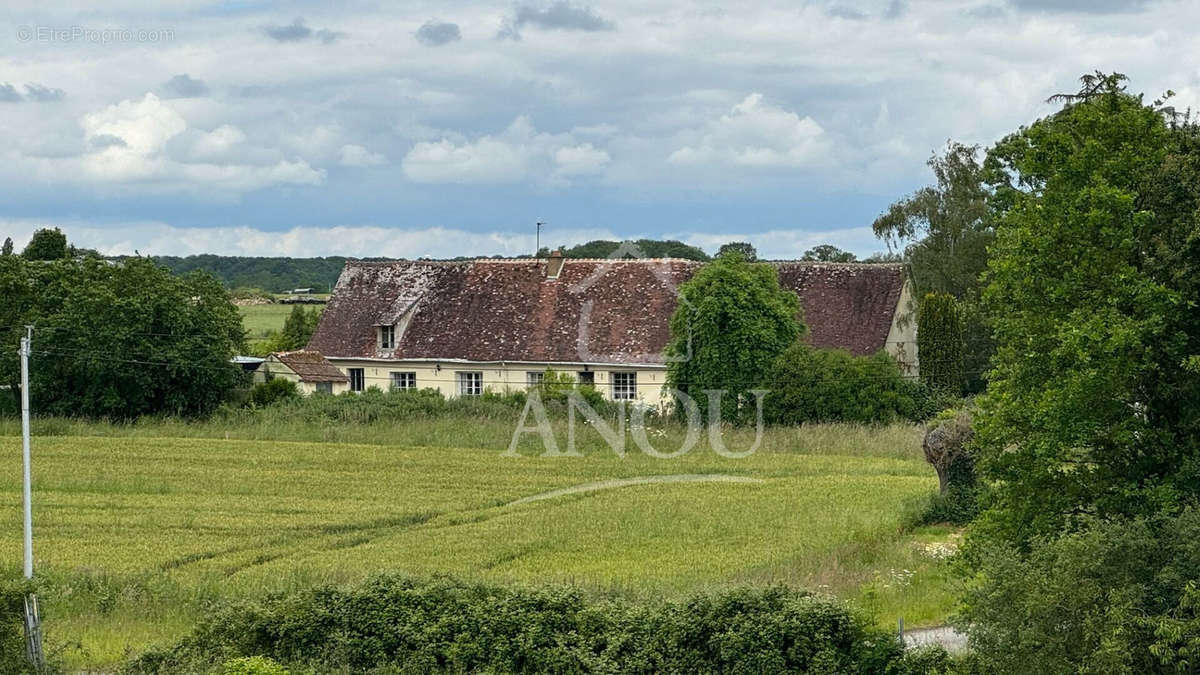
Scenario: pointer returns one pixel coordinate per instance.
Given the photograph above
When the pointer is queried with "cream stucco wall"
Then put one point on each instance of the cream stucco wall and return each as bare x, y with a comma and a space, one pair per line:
902, 336
499, 377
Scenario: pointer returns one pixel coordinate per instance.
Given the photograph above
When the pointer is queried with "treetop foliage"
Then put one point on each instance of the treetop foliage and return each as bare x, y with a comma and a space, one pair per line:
647, 248
46, 244
118, 340
945, 228
1087, 286
744, 248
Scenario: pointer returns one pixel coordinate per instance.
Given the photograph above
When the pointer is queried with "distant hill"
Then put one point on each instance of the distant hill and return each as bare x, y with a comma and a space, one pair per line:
271, 274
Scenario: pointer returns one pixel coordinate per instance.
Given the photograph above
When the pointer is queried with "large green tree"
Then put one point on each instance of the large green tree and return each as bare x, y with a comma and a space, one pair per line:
732, 321
945, 230
46, 244
118, 340
1092, 408
1089, 434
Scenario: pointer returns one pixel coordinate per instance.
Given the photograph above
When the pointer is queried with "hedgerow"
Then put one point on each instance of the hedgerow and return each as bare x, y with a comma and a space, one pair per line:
398, 624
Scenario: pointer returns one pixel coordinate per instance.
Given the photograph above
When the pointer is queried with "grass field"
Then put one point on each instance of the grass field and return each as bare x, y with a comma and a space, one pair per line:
260, 320
137, 530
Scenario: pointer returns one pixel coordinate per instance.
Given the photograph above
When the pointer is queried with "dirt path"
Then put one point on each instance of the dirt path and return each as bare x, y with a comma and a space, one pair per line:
640, 480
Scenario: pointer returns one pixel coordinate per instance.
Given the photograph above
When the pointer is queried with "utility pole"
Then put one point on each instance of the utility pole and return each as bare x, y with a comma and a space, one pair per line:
33, 624
538, 245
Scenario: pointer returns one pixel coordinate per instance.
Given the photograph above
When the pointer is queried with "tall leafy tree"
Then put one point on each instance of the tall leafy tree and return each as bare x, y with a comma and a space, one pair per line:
119, 340
732, 321
945, 228
299, 326
941, 335
1094, 404
46, 244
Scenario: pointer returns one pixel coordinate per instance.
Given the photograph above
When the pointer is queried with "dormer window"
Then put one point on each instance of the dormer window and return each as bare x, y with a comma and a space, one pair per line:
387, 337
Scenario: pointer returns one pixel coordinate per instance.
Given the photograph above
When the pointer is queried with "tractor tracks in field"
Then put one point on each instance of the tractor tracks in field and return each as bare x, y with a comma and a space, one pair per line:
340, 536
614, 483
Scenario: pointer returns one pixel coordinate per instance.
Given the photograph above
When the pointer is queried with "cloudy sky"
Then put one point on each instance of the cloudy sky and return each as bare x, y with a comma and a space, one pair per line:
449, 128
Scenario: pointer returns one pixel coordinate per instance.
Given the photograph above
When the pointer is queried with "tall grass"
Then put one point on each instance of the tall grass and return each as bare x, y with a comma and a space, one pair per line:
487, 423
140, 526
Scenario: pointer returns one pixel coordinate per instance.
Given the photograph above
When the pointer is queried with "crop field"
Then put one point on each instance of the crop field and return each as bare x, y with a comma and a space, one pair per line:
259, 320
136, 534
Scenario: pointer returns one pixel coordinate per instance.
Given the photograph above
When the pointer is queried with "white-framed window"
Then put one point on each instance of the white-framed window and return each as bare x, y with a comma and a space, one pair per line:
403, 380
358, 379
387, 337
534, 378
470, 383
586, 377
324, 387
624, 386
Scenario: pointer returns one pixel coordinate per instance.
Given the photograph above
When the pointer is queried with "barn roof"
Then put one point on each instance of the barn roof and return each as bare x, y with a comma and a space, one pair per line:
594, 311
311, 366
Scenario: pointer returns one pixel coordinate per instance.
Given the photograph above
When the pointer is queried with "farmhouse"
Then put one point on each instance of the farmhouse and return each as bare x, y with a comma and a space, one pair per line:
467, 327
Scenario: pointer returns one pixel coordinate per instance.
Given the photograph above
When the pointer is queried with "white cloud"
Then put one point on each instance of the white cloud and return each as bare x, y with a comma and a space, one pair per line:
757, 134
518, 152
580, 160
132, 142
358, 156
157, 238
487, 160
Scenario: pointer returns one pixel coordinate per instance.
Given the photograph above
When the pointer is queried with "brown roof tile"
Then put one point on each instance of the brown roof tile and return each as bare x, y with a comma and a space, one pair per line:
311, 366
595, 311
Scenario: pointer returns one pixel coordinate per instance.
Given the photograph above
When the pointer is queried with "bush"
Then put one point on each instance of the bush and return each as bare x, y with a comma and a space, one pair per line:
1118, 596
252, 665
272, 391
829, 385
403, 625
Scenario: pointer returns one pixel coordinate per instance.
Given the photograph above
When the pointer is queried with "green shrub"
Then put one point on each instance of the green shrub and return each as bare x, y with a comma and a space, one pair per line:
252, 665
829, 385
273, 390
404, 625
1118, 596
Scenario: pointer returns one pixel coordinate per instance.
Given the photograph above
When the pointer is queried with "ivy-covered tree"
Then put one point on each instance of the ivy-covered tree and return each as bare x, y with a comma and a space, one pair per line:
8, 246
940, 342
732, 321
46, 244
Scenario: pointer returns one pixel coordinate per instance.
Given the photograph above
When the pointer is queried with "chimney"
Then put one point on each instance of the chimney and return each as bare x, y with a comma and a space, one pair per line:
554, 264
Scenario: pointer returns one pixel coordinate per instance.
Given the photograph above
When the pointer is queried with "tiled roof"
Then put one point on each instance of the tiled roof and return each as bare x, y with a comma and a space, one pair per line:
311, 366
595, 311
